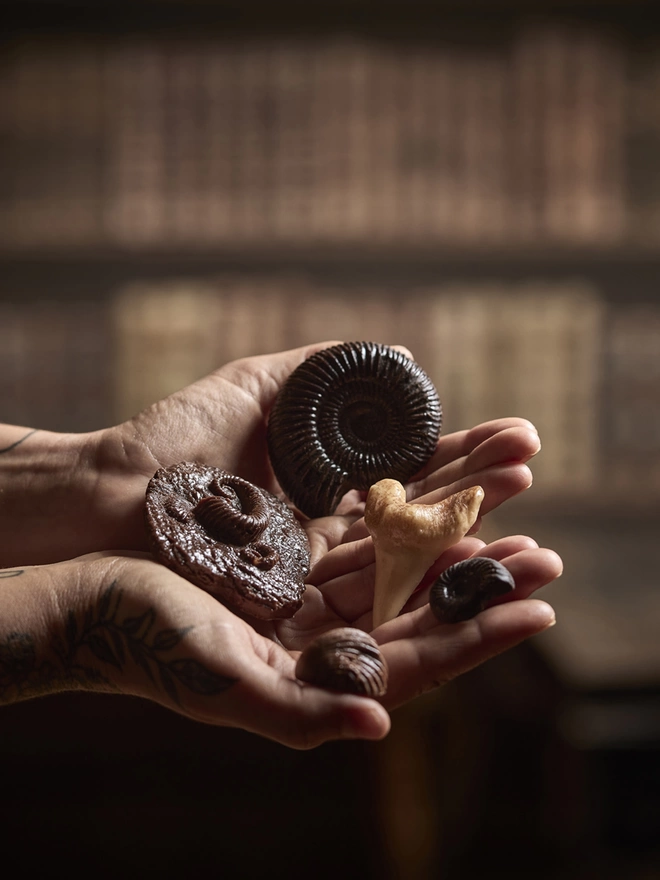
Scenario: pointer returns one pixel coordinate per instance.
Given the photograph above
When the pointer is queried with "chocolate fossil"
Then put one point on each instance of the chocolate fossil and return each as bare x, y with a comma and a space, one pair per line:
466, 588
229, 537
236, 512
408, 537
347, 417
345, 659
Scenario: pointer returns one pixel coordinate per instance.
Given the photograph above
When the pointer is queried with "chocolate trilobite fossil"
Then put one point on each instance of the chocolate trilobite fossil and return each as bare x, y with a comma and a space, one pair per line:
466, 588
347, 417
345, 659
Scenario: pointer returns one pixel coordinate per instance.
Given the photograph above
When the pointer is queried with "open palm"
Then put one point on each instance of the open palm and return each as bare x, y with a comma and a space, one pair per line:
221, 421
194, 655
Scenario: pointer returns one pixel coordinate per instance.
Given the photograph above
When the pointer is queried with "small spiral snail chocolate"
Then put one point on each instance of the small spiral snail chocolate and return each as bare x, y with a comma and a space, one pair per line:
345, 659
232, 539
466, 588
347, 417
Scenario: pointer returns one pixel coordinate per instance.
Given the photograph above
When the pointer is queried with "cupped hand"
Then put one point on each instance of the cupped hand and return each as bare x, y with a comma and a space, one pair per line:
126, 623
221, 421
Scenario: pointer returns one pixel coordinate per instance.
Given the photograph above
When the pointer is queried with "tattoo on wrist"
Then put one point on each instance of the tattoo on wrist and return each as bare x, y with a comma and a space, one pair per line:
111, 639
18, 442
11, 572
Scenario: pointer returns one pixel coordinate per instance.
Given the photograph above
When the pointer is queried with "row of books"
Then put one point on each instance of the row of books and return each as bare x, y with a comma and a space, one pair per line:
56, 364
151, 142
586, 373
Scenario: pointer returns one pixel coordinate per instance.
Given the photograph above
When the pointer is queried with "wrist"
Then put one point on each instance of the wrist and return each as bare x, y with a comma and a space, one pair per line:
48, 641
32, 626
63, 495
39, 480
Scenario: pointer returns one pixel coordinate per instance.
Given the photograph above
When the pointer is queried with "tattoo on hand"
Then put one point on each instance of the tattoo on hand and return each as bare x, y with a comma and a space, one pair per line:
111, 639
18, 442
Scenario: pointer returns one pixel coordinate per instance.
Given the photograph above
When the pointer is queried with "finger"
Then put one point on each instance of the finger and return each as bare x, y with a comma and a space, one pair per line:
347, 581
462, 443
507, 546
346, 559
324, 534
512, 444
440, 652
531, 570
466, 549
500, 483
262, 376
406, 352
302, 716
346, 577
531, 566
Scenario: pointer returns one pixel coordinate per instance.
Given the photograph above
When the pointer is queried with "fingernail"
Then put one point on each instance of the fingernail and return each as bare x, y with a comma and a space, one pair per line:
550, 617
367, 720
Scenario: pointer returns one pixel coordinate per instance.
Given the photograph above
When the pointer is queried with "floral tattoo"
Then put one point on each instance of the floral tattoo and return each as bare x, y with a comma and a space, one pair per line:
103, 637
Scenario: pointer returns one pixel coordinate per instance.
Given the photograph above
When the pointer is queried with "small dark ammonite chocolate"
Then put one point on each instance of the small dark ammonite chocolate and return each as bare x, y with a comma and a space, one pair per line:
345, 659
466, 588
232, 539
346, 418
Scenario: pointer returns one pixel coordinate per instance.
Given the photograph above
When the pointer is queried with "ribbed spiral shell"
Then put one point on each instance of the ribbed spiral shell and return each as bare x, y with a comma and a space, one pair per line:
235, 513
346, 418
466, 588
345, 659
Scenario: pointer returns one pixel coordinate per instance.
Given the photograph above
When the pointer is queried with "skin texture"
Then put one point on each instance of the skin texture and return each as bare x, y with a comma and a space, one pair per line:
82, 605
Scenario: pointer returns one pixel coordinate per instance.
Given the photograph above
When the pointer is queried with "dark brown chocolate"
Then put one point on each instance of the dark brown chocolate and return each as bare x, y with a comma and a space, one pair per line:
232, 539
345, 659
466, 588
346, 418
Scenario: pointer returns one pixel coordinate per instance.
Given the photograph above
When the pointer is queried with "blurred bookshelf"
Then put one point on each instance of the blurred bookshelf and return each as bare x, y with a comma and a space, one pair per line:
182, 184
492, 172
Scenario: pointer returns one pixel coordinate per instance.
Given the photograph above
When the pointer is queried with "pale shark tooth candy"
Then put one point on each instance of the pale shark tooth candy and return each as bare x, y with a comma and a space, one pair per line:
409, 537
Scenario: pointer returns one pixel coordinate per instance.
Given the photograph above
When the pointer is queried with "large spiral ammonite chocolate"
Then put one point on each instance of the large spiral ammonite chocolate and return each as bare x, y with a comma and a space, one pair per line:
346, 418
229, 537
466, 588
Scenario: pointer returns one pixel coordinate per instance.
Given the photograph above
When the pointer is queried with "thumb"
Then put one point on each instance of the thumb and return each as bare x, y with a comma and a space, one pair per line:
302, 716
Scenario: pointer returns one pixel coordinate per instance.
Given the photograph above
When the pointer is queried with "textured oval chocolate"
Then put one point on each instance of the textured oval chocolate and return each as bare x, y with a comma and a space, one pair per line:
232, 539
345, 659
346, 418
466, 588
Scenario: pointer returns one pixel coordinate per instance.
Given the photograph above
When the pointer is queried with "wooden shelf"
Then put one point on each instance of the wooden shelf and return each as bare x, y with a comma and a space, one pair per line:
413, 16
610, 267
390, 251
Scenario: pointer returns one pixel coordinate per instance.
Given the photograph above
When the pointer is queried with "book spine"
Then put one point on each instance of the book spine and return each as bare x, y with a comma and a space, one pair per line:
631, 386
642, 144
166, 338
139, 208
55, 364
